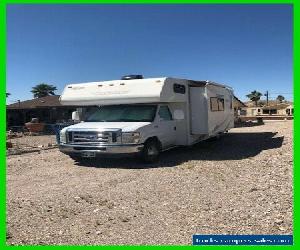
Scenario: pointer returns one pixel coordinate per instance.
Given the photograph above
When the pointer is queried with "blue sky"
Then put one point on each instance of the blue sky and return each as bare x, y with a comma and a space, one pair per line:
245, 46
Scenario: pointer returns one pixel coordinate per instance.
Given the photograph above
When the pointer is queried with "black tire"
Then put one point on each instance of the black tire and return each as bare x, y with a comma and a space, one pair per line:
151, 151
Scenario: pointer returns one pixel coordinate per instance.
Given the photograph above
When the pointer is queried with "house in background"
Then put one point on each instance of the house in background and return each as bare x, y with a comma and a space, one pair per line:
47, 109
238, 106
272, 109
290, 110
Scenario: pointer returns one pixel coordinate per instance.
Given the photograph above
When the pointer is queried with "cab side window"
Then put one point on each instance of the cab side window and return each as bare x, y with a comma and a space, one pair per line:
164, 113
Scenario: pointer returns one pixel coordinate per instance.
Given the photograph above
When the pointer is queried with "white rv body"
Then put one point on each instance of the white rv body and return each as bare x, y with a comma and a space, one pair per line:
199, 110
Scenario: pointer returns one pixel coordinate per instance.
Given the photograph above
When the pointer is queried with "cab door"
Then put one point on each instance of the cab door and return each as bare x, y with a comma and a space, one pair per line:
166, 127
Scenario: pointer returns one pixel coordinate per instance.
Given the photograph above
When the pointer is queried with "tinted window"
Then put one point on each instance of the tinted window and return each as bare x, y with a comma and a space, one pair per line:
178, 88
216, 104
122, 113
164, 113
221, 104
269, 111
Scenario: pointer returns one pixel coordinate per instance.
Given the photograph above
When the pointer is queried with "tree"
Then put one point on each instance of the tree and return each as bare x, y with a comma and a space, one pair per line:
254, 96
280, 98
8, 94
42, 90
261, 103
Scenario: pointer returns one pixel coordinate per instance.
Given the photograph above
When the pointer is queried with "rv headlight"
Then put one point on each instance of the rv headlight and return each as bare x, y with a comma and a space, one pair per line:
62, 136
131, 137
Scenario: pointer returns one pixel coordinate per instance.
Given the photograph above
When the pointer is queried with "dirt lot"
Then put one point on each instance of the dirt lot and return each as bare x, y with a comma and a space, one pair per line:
240, 184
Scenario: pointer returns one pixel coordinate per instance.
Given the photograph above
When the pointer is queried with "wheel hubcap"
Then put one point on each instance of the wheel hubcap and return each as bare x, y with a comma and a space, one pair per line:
152, 150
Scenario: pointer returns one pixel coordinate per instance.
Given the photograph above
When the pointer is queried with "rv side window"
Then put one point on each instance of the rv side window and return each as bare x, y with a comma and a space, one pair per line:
164, 113
178, 88
216, 104
221, 104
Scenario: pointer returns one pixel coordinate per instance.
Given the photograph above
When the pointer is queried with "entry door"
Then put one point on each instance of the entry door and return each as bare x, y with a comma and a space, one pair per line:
167, 127
198, 111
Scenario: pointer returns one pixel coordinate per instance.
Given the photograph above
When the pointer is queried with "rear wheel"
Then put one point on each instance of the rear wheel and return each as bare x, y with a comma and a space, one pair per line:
151, 151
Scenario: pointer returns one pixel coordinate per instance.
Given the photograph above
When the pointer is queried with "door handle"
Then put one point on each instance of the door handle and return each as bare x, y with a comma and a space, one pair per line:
155, 126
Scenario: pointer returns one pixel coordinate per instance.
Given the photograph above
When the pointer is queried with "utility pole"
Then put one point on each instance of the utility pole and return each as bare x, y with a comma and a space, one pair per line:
267, 95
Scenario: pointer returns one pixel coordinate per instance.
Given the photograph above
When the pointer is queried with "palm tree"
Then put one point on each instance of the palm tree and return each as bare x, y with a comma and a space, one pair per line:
280, 98
42, 90
8, 94
254, 96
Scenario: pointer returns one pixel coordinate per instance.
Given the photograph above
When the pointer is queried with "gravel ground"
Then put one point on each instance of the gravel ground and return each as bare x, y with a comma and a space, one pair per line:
30, 144
240, 184
36, 141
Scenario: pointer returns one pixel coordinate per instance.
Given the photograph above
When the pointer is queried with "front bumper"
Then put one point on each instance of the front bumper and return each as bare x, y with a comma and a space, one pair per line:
101, 149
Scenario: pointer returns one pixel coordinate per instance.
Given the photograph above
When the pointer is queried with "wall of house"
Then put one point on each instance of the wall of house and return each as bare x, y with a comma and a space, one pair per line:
251, 111
16, 117
254, 111
237, 107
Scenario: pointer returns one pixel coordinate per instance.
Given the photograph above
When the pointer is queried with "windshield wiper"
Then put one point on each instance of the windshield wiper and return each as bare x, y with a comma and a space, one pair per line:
128, 120
95, 121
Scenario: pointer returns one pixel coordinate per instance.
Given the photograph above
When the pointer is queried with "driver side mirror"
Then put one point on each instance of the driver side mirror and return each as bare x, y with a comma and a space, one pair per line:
178, 114
75, 116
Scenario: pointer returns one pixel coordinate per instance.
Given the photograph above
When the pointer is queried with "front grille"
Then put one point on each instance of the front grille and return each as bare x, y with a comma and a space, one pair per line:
93, 137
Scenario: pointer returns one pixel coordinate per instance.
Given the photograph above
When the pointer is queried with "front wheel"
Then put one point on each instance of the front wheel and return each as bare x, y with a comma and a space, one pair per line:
151, 151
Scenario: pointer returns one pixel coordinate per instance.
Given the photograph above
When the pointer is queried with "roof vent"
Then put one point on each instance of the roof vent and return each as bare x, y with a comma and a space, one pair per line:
132, 77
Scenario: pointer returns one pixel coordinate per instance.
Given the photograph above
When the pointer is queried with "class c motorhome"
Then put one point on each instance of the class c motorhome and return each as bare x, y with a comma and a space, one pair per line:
144, 116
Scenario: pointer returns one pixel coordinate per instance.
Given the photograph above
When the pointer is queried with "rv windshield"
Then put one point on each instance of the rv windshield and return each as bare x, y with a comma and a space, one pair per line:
122, 113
